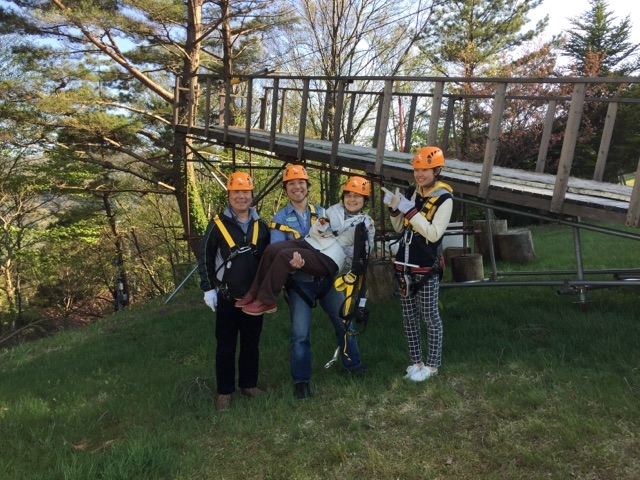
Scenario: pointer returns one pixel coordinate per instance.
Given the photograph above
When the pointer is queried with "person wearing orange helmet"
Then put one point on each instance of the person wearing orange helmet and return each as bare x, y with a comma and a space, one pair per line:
304, 291
323, 252
422, 217
230, 252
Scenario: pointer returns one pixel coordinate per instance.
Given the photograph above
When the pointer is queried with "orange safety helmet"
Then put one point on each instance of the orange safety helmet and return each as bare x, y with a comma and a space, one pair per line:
428, 157
358, 185
239, 181
294, 172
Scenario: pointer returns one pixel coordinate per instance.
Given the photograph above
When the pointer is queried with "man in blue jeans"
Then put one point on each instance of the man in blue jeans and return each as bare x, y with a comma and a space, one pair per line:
294, 221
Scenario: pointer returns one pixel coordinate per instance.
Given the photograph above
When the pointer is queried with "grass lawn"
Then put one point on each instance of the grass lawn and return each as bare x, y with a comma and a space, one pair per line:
532, 386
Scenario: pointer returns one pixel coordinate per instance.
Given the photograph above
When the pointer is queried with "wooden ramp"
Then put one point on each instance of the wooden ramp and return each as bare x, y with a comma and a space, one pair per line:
271, 115
586, 199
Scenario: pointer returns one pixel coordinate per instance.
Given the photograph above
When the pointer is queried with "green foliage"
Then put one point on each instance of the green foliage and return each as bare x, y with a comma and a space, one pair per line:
467, 34
598, 47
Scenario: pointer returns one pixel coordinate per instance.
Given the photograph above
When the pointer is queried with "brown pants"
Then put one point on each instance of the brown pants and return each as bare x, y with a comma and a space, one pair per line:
274, 268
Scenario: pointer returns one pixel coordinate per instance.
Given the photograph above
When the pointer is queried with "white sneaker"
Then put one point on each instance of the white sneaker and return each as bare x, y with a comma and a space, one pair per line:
411, 369
422, 373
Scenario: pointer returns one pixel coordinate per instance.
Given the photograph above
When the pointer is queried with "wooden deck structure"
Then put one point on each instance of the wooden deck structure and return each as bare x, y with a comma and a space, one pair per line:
257, 116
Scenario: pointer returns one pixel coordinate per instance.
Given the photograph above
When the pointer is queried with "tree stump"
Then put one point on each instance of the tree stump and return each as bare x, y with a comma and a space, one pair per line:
516, 246
451, 252
381, 280
481, 237
467, 268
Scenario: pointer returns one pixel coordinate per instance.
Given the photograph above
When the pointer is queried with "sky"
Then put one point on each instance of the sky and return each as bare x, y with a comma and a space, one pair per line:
560, 11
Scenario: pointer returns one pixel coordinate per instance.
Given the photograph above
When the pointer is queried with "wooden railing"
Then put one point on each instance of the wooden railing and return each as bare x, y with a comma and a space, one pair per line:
386, 113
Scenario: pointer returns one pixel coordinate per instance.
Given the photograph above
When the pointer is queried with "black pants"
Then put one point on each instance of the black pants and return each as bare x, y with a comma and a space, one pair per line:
231, 322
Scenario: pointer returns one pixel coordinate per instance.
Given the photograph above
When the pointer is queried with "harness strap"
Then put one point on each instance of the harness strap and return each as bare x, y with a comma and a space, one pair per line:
293, 285
227, 236
285, 229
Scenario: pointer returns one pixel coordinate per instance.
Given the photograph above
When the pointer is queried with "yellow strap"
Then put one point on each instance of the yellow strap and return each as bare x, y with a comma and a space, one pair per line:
312, 211
285, 228
227, 236
256, 230
428, 209
225, 232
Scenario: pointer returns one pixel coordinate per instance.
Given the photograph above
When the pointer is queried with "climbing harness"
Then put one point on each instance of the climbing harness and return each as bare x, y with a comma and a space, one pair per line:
234, 251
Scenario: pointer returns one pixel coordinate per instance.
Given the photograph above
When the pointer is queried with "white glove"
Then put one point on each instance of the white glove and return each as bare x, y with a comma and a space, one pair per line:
404, 205
211, 299
391, 199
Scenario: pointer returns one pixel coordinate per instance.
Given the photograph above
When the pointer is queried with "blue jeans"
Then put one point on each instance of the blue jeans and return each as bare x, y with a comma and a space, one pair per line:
300, 313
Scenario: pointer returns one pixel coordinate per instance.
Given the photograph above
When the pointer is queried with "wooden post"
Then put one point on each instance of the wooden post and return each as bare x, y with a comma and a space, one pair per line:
516, 246
381, 280
467, 268
481, 237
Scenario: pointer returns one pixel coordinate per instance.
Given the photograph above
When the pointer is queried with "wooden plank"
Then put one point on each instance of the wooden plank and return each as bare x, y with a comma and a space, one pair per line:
337, 121
302, 129
274, 113
546, 136
584, 198
410, 120
605, 141
435, 113
492, 140
568, 147
382, 129
247, 121
633, 216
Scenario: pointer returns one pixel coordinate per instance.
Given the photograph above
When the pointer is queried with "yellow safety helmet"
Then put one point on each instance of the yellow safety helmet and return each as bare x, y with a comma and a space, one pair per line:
294, 172
358, 185
239, 181
428, 157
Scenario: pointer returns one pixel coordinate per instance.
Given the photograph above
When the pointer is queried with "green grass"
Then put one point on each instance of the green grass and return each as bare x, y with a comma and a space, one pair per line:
532, 386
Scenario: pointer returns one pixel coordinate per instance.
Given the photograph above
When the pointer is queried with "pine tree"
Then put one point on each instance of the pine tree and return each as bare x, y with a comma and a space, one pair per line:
600, 47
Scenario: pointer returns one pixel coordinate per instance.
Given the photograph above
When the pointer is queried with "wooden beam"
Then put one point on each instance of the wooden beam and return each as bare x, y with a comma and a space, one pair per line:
546, 136
410, 120
274, 113
605, 141
492, 141
435, 113
337, 122
247, 120
568, 147
384, 122
633, 215
302, 128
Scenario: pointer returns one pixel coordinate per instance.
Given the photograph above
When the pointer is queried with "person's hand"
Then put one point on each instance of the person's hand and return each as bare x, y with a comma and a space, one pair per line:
211, 299
391, 199
404, 205
297, 262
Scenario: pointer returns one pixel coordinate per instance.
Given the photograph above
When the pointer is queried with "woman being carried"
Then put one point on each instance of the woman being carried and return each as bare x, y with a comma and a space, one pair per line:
323, 252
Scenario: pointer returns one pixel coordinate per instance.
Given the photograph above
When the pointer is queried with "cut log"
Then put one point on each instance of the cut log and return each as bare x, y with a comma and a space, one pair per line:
381, 280
516, 246
481, 240
451, 252
467, 268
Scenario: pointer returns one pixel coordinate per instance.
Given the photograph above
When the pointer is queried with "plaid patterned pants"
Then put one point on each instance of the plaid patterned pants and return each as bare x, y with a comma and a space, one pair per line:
424, 303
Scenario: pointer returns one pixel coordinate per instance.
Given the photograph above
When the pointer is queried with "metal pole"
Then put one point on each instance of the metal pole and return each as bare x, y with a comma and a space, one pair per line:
181, 285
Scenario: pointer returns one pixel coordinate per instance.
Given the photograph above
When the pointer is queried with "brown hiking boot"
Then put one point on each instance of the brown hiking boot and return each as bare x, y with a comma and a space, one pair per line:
252, 392
223, 402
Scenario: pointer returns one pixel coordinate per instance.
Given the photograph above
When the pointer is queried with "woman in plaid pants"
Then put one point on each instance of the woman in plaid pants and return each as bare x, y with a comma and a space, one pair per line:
422, 216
